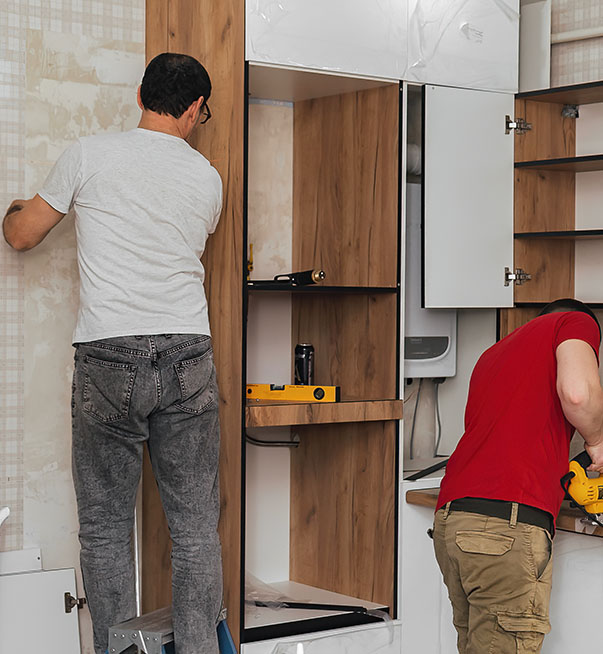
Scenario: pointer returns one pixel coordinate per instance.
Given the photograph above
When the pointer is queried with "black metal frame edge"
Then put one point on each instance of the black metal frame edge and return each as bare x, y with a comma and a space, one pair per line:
423, 103
402, 113
269, 286
299, 627
569, 233
526, 95
546, 163
535, 305
244, 349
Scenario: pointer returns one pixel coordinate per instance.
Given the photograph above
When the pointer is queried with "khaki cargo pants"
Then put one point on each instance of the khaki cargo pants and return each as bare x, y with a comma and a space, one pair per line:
498, 576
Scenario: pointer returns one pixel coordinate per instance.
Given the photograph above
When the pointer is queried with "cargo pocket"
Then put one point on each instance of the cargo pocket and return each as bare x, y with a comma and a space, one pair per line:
107, 389
197, 383
526, 629
480, 542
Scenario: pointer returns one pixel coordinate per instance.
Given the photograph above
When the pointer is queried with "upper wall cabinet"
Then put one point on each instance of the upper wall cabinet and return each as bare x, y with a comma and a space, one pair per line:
363, 37
466, 43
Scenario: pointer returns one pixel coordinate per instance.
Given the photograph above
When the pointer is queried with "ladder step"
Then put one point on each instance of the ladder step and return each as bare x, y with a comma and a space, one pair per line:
153, 633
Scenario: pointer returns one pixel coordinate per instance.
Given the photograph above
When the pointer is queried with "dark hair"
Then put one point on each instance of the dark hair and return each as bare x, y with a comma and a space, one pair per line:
172, 82
569, 304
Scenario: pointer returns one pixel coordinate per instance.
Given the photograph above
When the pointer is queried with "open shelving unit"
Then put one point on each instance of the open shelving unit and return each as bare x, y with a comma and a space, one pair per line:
342, 475
546, 166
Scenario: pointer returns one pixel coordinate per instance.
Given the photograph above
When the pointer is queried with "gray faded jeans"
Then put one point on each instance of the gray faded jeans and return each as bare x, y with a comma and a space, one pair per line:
160, 390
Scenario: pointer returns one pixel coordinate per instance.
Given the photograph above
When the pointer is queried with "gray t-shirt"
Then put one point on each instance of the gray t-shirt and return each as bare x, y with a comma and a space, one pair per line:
145, 203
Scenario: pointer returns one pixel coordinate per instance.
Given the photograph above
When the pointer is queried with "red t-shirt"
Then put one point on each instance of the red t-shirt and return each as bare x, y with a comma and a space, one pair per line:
516, 441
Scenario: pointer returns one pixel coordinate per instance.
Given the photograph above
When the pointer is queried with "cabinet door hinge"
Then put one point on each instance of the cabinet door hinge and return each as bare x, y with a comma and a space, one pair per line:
71, 602
519, 276
520, 125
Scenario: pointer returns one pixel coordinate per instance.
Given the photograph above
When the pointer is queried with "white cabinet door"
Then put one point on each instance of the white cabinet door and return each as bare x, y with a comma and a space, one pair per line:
465, 43
468, 203
32, 613
362, 37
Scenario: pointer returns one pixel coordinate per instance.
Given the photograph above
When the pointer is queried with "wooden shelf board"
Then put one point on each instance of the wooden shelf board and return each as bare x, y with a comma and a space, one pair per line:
584, 164
270, 286
588, 93
569, 519
576, 234
271, 414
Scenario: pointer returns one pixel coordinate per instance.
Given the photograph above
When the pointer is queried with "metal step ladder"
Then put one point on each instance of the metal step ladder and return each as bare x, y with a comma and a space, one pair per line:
153, 633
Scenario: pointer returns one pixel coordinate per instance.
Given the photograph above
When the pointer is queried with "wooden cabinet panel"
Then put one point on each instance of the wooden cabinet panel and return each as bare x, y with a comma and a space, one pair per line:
345, 187
213, 32
355, 341
544, 200
510, 319
552, 136
551, 264
343, 509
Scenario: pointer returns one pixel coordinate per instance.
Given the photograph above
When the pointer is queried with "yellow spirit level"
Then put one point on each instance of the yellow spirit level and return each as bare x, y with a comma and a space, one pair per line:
292, 393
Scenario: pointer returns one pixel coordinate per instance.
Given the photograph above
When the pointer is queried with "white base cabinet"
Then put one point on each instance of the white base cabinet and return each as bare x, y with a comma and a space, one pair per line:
32, 613
377, 638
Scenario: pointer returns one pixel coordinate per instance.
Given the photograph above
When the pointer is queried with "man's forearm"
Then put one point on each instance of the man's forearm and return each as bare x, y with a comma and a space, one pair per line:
10, 220
27, 222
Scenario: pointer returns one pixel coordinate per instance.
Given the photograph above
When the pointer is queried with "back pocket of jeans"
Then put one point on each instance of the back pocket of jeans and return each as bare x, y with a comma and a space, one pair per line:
108, 389
197, 383
480, 542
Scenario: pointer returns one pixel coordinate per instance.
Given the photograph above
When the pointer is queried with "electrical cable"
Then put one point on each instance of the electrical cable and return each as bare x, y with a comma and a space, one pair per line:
260, 443
437, 405
414, 419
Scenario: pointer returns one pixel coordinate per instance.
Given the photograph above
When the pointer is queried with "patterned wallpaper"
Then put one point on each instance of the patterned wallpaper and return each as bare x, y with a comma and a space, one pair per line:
577, 61
26, 27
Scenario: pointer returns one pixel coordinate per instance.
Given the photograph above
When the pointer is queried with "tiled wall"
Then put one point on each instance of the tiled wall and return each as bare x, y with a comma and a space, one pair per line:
26, 27
577, 61
67, 68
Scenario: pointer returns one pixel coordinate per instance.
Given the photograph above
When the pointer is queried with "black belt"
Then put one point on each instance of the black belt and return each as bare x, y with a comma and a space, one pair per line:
501, 509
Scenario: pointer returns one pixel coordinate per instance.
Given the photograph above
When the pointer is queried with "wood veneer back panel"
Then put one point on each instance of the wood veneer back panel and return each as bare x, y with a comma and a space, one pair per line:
544, 200
343, 509
345, 187
551, 264
354, 339
213, 32
511, 319
552, 136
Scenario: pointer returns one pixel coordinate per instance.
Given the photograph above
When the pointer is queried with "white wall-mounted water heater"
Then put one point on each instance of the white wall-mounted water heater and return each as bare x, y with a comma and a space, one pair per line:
429, 334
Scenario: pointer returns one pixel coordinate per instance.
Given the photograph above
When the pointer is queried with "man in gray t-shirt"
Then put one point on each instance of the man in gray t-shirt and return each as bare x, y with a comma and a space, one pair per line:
144, 203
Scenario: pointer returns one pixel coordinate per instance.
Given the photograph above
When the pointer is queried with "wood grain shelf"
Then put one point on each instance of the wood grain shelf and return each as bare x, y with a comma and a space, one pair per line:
588, 93
271, 414
570, 234
281, 287
569, 519
583, 164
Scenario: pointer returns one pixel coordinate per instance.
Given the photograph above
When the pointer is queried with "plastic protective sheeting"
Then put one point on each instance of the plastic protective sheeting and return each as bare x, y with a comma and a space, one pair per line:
464, 43
363, 37
385, 638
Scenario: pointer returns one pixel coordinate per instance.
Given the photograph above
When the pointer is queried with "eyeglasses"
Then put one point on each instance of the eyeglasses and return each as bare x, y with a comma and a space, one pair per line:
205, 114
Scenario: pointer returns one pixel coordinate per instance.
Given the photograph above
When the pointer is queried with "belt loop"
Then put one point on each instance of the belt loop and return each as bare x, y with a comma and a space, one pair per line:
514, 510
446, 510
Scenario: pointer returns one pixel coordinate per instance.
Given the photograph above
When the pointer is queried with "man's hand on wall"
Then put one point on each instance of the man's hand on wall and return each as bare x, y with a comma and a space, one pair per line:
27, 222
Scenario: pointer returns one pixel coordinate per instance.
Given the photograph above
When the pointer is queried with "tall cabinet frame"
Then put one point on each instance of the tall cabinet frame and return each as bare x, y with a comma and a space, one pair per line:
344, 476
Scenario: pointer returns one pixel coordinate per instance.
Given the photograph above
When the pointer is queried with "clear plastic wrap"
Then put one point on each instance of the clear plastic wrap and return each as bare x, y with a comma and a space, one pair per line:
363, 37
465, 43
385, 638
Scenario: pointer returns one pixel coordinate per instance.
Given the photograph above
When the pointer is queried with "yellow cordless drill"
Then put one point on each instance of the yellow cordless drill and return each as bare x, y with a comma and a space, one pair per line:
584, 492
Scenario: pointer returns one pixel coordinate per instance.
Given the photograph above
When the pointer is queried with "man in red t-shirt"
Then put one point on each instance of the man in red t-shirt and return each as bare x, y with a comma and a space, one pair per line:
501, 493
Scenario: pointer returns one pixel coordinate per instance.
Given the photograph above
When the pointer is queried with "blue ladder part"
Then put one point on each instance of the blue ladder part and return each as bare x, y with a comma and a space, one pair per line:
225, 640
